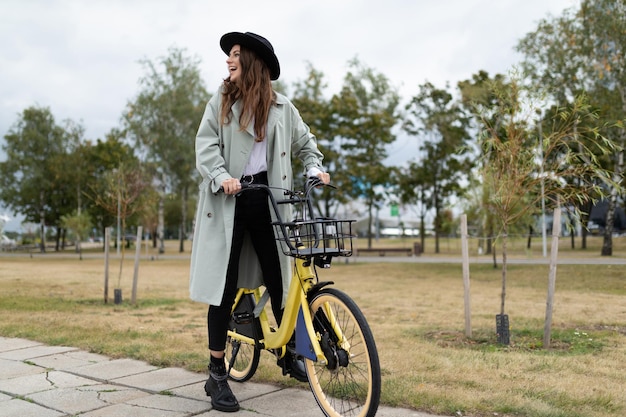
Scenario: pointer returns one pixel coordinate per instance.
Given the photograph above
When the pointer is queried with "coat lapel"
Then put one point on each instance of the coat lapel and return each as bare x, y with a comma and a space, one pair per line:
237, 115
271, 130
272, 120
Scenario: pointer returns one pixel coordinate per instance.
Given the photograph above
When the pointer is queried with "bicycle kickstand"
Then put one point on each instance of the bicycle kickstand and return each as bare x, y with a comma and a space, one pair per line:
233, 358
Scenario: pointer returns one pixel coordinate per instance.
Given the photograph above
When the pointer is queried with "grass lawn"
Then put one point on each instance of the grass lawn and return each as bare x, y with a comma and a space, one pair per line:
415, 310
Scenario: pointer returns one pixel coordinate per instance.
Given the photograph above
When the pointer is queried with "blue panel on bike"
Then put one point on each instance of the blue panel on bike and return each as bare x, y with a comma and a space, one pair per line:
303, 343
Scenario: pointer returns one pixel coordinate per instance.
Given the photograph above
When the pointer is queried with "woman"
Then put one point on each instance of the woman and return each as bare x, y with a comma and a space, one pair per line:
249, 132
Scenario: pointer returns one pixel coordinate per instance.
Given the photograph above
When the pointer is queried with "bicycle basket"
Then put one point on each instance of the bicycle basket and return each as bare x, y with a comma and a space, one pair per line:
319, 237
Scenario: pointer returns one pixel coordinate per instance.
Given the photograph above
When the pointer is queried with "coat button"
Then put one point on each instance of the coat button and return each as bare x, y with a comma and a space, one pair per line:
284, 177
283, 154
209, 215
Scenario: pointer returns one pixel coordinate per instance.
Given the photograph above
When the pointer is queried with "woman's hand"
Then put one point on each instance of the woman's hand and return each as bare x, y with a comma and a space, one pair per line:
231, 186
324, 176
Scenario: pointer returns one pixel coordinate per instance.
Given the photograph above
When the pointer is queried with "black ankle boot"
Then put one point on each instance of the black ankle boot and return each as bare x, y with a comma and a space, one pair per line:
292, 364
216, 387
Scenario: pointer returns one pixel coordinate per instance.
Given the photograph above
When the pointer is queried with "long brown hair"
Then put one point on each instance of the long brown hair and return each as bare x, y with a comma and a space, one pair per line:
254, 89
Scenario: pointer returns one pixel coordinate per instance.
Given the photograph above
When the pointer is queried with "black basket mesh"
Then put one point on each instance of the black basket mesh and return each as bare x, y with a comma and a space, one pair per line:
319, 237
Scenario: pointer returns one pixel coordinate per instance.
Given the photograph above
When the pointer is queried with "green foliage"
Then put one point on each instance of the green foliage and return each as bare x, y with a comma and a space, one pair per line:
583, 51
318, 113
163, 120
520, 168
125, 192
102, 158
438, 121
366, 112
79, 223
353, 129
38, 179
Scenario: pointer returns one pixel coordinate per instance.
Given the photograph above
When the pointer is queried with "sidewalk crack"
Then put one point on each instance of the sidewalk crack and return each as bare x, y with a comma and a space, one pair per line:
49, 380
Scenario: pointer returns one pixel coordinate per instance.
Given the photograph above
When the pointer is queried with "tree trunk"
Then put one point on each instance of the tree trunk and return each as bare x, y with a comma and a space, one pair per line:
369, 226
607, 245
489, 242
183, 223
572, 229
584, 223
437, 228
422, 231
58, 240
504, 265
42, 222
161, 227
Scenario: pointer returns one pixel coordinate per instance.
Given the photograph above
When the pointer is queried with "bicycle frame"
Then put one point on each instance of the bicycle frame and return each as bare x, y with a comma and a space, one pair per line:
302, 282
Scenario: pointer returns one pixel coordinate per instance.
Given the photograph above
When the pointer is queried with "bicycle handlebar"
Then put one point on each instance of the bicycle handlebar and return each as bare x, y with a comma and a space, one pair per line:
324, 237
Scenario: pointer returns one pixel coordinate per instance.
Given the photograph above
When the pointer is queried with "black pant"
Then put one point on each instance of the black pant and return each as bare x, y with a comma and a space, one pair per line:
252, 215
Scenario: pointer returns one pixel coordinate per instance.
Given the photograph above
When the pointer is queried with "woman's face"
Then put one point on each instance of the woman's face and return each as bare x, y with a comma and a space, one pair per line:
234, 67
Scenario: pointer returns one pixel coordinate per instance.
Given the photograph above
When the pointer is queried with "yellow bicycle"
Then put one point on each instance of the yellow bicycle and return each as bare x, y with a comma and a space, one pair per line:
331, 332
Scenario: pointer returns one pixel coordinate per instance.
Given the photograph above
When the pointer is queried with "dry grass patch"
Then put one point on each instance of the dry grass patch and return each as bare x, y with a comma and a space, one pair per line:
416, 314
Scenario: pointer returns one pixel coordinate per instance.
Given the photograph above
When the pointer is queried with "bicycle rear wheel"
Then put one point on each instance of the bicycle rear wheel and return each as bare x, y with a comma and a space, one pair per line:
246, 355
246, 361
349, 384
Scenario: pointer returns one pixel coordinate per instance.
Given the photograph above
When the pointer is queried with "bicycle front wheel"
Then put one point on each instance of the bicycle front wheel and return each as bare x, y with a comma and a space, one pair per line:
349, 384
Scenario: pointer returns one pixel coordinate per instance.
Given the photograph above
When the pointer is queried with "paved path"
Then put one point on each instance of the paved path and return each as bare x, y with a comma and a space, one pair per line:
577, 259
37, 380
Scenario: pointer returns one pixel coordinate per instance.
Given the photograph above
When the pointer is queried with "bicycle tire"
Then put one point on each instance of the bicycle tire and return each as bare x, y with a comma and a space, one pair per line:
247, 359
350, 384
246, 362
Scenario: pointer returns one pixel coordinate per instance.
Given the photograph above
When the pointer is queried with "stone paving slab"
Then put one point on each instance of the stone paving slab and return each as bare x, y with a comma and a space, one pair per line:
127, 410
115, 394
21, 408
34, 352
12, 369
45, 381
292, 403
171, 403
163, 379
69, 360
243, 391
7, 344
114, 369
70, 401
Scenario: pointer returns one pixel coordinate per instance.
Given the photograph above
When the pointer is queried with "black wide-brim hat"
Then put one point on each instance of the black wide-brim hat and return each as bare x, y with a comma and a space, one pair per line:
261, 46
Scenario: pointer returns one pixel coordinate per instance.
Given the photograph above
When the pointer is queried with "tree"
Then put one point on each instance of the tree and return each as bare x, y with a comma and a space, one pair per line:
479, 101
101, 158
33, 179
79, 223
318, 113
124, 195
411, 182
366, 113
438, 120
584, 50
69, 170
513, 172
163, 120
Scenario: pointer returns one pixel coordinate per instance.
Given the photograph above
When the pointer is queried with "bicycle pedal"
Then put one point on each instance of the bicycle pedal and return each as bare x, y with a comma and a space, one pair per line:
243, 318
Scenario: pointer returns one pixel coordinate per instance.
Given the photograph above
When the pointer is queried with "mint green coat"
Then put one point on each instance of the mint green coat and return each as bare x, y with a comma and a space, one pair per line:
221, 153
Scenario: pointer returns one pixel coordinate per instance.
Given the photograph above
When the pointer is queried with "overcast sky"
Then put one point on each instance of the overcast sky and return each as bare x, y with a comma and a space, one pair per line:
80, 58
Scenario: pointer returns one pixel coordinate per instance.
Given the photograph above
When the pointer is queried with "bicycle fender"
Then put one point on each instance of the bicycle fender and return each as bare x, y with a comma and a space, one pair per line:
316, 288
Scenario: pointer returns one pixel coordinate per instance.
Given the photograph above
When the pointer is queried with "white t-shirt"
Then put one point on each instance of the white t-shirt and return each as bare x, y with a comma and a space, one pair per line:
258, 160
